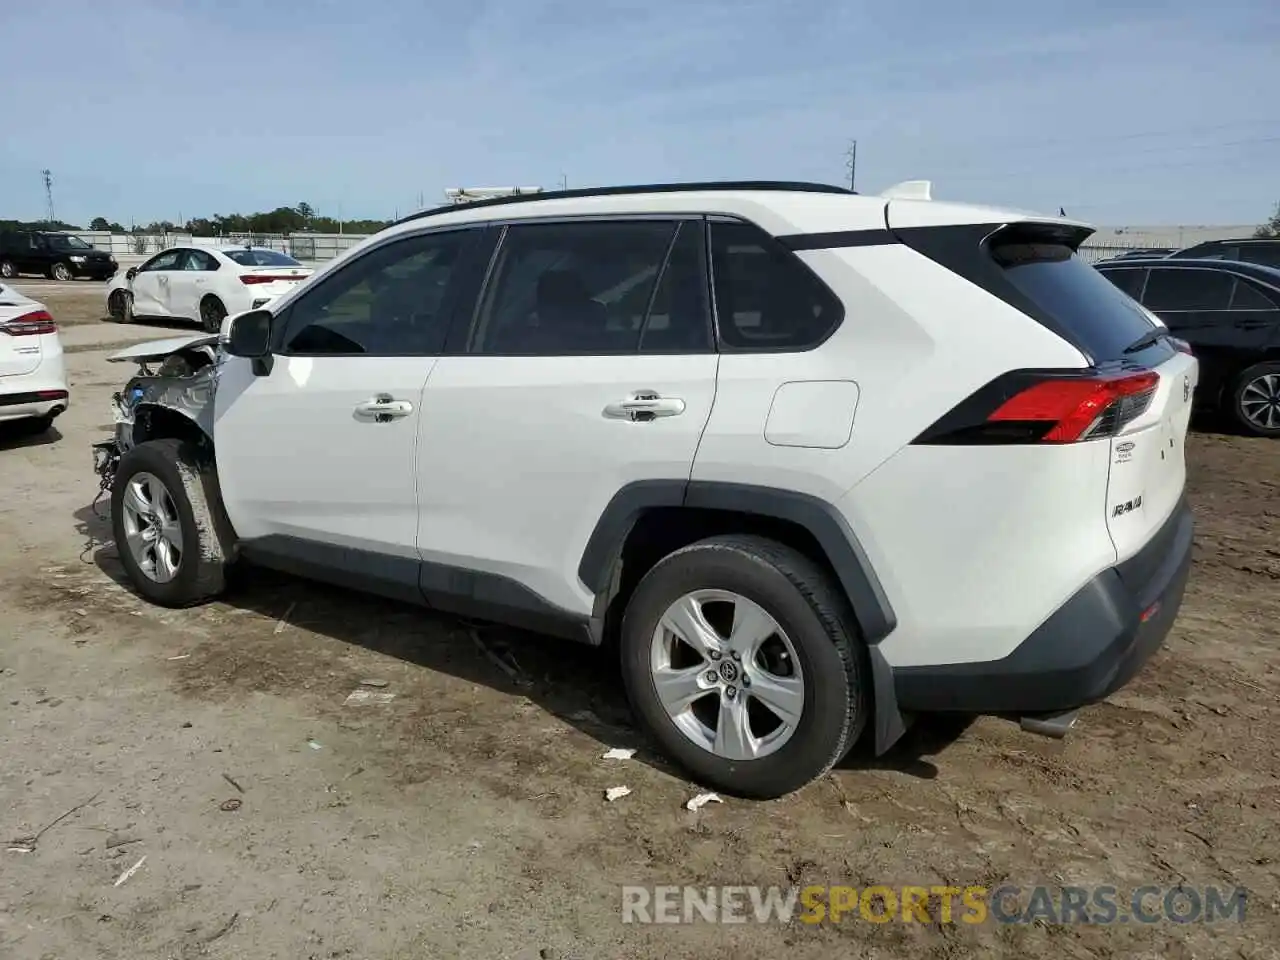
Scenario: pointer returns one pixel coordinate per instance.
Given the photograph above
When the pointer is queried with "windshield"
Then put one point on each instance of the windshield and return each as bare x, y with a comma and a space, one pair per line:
60, 241
261, 258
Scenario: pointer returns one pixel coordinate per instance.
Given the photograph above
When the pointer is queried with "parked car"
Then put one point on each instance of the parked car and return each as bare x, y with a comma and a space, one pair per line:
817, 461
1140, 254
58, 256
1263, 251
203, 285
33, 379
1229, 311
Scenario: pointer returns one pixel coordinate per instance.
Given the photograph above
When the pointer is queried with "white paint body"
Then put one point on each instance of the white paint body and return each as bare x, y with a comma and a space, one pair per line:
504, 464
172, 284
31, 364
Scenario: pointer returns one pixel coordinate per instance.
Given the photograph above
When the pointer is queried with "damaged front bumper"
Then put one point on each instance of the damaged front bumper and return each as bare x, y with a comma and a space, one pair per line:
184, 385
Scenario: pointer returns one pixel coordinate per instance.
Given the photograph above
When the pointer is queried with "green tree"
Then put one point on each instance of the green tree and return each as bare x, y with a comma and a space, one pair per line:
1272, 227
102, 223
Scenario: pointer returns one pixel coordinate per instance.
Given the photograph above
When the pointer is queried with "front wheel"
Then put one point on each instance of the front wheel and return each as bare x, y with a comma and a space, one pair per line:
164, 516
1255, 399
60, 271
740, 659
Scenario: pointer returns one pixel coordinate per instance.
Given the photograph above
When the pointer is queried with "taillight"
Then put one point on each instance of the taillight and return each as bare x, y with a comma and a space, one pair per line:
1050, 407
249, 279
29, 324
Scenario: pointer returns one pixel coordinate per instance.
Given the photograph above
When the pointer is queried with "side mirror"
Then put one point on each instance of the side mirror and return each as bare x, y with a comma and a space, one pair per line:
250, 337
131, 273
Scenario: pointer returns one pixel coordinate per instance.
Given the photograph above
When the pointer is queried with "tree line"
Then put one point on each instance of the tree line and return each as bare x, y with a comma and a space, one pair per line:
280, 220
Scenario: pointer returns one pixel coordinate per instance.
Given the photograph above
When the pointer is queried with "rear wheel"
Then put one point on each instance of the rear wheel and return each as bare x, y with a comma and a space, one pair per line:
1255, 399
60, 271
740, 659
8, 270
212, 313
163, 503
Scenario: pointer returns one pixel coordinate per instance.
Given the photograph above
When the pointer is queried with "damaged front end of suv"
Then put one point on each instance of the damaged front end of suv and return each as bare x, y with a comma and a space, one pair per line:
171, 394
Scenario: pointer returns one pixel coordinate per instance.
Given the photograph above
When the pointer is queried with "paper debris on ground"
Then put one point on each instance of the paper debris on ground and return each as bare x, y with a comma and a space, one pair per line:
130, 872
619, 753
616, 793
361, 695
284, 621
701, 800
314, 745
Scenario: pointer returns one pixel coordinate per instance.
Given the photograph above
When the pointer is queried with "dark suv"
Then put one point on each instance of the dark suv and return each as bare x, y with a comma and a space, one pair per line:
1229, 311
1261, 250
58, 256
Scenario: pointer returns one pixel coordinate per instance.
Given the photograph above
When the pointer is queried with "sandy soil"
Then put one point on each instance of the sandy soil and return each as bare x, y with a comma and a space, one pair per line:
465, 817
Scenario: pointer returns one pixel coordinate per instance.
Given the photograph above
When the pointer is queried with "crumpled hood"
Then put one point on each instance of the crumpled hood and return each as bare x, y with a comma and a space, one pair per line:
154, 350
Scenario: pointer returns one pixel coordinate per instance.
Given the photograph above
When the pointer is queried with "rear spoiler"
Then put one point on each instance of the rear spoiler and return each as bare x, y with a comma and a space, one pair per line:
909, 190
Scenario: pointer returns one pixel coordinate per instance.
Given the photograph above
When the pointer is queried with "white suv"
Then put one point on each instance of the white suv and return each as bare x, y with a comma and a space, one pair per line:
817, 461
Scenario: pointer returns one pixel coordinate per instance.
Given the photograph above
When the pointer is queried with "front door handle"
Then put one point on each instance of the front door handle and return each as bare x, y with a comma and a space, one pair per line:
383, 409
644, 406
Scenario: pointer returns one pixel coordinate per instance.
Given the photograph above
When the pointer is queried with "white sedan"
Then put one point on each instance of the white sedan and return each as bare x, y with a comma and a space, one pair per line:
33, 378
204, 285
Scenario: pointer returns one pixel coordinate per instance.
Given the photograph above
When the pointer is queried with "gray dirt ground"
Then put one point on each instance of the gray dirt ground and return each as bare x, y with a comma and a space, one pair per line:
465, 819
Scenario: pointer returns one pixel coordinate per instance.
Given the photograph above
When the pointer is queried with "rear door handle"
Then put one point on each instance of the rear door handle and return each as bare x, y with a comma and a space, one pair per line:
383, 409
643, 406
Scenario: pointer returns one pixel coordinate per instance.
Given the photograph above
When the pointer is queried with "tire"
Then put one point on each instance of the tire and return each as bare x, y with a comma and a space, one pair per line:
60, 271
1255, 399
181, 484
811, 614
212, 313
115, 306
126, 299
8, 270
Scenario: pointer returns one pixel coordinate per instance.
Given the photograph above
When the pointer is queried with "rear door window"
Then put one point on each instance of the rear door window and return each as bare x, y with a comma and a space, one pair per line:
1249, 297
1173, 289
1129, 280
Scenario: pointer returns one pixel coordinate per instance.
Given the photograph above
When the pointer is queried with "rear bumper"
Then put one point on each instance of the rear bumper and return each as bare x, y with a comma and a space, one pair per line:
1090, 647
42, 403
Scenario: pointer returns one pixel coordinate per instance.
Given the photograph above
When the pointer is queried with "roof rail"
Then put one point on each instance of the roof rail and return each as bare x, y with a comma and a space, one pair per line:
781, 185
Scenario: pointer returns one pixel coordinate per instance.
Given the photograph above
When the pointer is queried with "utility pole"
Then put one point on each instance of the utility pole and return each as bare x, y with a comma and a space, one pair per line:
48, 196
564, 182
851, 161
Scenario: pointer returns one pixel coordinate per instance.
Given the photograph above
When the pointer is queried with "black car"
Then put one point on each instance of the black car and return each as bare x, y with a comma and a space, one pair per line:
1259, 250
58, 256
1229, 311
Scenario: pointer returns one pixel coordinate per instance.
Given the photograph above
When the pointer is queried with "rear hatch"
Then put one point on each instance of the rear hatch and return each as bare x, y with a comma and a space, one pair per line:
1136, 392
20, 351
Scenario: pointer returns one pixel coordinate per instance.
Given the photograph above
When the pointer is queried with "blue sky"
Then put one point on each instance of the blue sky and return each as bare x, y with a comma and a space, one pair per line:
1122, 112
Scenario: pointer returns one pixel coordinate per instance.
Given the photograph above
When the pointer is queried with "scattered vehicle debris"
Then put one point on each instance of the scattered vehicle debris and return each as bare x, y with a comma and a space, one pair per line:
360, 696
616, 793
619, 753
701, 800
373, 683
284, 621
130, 872
227, 778
230, 806
314, 745
28, 844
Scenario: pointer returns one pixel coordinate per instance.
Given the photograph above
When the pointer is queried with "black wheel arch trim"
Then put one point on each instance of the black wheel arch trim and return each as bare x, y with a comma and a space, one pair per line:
871, 607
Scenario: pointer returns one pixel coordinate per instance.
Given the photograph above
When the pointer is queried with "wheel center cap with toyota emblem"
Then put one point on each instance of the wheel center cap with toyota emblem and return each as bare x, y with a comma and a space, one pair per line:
728, 672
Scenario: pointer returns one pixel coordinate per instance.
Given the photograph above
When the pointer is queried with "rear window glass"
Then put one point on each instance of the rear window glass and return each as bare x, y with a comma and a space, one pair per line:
1097, 315
261, 258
